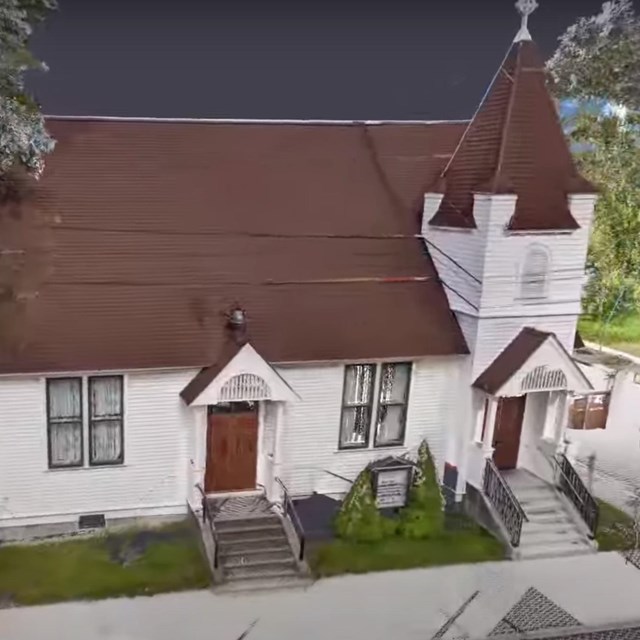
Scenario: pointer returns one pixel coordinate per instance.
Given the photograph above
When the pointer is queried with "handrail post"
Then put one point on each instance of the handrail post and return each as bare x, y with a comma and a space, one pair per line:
291, 513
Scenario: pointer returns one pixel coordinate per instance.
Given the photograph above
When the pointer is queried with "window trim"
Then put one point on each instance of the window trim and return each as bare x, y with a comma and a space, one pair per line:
50, 462
532, 249
370, 405
85, 420
404, 404
370, 442
91, 420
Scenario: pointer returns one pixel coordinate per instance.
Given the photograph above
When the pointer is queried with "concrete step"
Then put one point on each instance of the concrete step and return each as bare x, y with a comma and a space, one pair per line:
537, 494
264, 584
554, 550
548, 517
262, 558
256, 548
530, 538
254, 541
266, 570
224, 524
250, 533
561, 524
553, 505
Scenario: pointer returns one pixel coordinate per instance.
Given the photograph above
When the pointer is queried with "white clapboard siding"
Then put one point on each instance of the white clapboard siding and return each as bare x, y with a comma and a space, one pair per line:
494, 334
308, 440
484, 266
153, 479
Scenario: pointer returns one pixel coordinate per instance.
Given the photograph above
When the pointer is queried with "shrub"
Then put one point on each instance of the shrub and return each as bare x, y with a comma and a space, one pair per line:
423, 517
359, 519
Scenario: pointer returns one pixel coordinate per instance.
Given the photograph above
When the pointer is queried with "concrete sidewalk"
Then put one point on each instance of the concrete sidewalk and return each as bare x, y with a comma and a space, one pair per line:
595, 590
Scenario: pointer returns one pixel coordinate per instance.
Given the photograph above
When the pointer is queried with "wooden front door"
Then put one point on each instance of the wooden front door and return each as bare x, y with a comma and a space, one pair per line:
508, 428
232, 448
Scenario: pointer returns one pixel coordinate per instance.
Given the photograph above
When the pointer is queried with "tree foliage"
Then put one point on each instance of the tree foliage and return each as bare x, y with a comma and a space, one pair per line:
359, 519
599, 57
24, 240
23, 138
423, 517
597, 69
611, 159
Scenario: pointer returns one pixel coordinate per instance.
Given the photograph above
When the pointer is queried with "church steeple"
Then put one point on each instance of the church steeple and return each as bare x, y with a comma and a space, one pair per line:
514, 144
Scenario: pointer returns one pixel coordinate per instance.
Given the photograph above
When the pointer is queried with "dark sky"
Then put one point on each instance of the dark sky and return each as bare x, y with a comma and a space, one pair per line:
329, 59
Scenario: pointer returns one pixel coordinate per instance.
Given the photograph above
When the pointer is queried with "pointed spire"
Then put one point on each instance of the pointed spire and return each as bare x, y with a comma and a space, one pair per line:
514, 145
525, 9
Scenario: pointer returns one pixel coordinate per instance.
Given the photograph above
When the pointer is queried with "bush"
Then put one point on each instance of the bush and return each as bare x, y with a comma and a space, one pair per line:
359, 519
423, 517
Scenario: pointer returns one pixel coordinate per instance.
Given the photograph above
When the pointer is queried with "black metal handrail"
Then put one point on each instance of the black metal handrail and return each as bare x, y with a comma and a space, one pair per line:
207, 518
571, 484
504, 501
291, 513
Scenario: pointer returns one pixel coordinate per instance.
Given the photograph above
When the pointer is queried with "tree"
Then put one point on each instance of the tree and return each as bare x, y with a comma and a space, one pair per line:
599, 57
597, 69
23, 137
23, 144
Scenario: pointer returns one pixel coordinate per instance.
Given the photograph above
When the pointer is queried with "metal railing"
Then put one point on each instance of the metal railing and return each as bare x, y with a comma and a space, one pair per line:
291, 513
571, 484
504, 501
207, 519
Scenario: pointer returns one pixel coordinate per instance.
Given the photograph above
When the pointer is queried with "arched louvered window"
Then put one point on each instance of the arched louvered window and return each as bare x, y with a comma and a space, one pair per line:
535, 273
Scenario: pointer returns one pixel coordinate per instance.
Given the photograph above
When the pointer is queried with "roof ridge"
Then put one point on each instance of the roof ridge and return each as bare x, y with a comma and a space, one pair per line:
296, 121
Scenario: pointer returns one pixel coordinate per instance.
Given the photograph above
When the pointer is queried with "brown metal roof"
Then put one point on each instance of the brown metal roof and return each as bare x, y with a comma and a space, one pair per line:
160, 227
514, 144
517, 352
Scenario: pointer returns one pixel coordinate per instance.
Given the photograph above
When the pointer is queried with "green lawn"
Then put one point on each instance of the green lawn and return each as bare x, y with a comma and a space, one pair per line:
622, 333
134, 562
615, 529
469, 544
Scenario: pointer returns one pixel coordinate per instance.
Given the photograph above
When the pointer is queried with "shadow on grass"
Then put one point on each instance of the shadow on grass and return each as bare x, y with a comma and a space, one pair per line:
127, 563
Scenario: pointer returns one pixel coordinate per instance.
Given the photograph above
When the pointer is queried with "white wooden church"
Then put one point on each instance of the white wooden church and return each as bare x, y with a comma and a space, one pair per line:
258, 307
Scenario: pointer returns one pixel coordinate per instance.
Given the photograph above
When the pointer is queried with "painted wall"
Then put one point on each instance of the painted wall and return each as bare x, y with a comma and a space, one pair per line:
152, 481
308, 439
624, 408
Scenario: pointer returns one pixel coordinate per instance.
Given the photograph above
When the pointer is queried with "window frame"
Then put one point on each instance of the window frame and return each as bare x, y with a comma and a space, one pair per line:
85, 421
369, 405
50, 462
371, 433
91, 420
404, 404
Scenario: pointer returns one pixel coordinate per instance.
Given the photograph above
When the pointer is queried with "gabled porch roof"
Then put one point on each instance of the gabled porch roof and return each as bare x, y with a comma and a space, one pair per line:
241, 374
533, 361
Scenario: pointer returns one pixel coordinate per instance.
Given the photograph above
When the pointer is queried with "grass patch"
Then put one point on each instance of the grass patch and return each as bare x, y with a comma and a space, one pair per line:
615, 529
466, 542
622, 333
128, 563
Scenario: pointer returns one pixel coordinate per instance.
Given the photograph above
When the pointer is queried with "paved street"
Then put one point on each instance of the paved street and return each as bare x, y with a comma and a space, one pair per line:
594, 590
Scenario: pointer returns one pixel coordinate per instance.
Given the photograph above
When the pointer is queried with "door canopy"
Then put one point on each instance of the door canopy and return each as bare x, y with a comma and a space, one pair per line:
533, 361
246, 377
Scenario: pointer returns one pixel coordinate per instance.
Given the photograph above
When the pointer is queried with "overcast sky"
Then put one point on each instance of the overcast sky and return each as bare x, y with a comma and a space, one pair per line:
330, 59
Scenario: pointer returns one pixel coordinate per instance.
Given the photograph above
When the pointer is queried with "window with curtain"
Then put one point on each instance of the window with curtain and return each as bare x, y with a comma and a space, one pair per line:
392, 404
535, 271
105, 420
64, 422
356, 406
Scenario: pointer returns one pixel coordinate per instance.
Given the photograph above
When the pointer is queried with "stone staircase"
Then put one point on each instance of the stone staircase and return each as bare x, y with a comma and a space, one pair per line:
554, 528
254, 549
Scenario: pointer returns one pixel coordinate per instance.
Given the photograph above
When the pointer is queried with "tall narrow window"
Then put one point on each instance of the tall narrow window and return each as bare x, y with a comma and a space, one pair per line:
105, 420
64, 422
535, 270
392, 405
356, 406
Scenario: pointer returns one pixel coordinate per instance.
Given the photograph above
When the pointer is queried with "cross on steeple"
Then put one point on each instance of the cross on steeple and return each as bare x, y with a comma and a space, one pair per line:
525, 9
